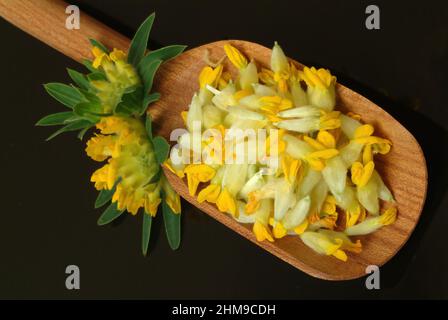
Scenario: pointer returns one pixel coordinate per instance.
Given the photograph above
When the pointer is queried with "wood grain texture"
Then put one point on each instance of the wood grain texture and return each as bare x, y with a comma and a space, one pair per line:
45, 20
403, 169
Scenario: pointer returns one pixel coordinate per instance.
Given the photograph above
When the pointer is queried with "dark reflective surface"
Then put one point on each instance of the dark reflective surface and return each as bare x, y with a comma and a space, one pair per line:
48, 220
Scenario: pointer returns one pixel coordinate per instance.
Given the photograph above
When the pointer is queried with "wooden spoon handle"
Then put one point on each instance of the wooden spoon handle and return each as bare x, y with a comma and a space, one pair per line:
46, 19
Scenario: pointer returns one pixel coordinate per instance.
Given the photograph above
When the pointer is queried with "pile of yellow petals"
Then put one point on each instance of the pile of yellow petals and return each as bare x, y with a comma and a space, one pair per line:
131, 166
120, 77
325, 188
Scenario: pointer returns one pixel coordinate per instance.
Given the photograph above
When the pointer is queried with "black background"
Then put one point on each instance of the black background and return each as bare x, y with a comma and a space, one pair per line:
47, 218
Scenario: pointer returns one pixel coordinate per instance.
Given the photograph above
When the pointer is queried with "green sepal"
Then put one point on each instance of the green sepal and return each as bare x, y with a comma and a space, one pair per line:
73, 126
148, 125
161, 149
146, 232
110, 214
89, 96
88, 64
140, 41
172, 225
87, 109
106, 195
149, 98
79, 79
131, 103
55, 119
96, 76
147, 74
63, 93
82, 132
164, 54
98, 44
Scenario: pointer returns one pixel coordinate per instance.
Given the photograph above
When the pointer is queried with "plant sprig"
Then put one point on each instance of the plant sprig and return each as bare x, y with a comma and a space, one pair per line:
85, 110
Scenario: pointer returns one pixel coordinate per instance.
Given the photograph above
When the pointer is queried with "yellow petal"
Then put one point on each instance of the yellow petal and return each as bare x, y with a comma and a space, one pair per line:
326, 139
301, 228
235, 56
365, 130
279, 231
209, 193
324, 154
226, 203
389, 216
117, 55
262, 232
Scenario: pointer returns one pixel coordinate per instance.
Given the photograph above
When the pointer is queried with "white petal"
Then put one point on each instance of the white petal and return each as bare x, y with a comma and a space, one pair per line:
300, 112
349, 125
300, 125
295, 147
335, 174
248, 76
297, 214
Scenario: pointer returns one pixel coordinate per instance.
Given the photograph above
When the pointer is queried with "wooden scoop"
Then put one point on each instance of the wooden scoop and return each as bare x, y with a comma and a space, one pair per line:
403, 169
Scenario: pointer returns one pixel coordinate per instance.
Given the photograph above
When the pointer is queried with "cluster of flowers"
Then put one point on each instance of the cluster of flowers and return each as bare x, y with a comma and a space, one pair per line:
113, 98
325, 187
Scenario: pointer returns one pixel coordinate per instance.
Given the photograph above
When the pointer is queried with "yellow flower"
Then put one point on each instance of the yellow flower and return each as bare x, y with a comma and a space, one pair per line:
120, 76
267, 76
290, 167
235, 56
177, 171
361, 174
364, 135
329, 205
132, 160
100, 177
209, 193
197, 173
99, 55
101, 147
327, 121
210, 76
324, 244
226, 202
325, 148
347, 244
261, 225
281, 68
320, 87
274, 104
117, 55
372, 224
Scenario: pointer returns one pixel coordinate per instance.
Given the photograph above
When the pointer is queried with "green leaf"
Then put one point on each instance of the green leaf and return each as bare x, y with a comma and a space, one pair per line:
88, 64
55, 119
172, 225
89, 96
147, 74
63, 93
73, 126
79, 79
131, 102
96, 76
161, 149
98, 44
82, 132
140, 41
86, 108
153, 97
106, 195
148, 125
164, 54
146, 232
110, 214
